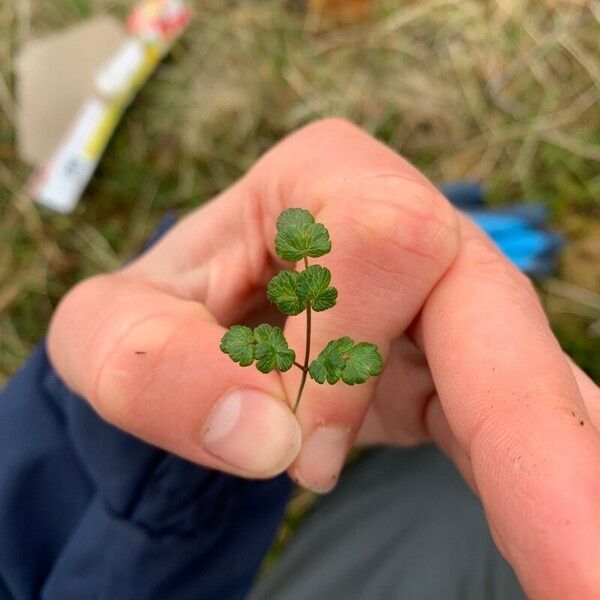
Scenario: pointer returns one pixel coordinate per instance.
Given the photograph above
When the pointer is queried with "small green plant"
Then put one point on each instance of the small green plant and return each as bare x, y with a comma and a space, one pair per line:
293, 292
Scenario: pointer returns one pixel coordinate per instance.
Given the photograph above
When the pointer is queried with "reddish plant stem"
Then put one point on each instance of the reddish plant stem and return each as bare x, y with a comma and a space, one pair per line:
306, 351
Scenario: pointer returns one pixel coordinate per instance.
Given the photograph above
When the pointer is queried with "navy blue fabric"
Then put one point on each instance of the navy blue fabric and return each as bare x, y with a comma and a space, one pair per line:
87, 511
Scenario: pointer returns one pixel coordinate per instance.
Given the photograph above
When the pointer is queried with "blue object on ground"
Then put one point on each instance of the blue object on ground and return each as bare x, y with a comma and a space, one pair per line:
517, 229
464, 194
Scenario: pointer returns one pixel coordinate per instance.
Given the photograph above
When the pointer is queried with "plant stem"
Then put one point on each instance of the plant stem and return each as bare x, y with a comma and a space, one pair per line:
297, 364
306, 351
306, 359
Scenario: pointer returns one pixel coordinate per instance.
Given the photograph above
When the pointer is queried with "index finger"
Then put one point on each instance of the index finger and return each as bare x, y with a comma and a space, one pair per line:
511, 400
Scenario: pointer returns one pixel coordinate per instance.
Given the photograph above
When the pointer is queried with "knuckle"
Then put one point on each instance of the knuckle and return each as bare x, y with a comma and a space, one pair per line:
131, 368
140, 353
271, 174
117, 383
403, 215
329, 134
332, 126
113, 398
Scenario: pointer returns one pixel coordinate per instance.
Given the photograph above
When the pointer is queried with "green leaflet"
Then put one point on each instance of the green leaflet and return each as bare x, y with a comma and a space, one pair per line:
298, 235
292, 291
239, 342
342, 359
283, 292
330, 362
272, 350
363, 361
266, 344
313, 287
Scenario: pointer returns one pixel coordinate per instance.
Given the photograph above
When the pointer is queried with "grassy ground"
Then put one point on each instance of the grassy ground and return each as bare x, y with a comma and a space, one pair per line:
505, 92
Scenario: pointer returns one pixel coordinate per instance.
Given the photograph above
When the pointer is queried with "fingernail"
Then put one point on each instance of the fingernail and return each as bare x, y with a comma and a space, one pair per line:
253, 432
322, 457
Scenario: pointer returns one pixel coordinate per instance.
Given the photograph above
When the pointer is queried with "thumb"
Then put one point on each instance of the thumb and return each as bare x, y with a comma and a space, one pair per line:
149, 363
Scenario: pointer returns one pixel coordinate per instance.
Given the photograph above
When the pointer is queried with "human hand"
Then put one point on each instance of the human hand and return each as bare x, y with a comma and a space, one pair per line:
415, 278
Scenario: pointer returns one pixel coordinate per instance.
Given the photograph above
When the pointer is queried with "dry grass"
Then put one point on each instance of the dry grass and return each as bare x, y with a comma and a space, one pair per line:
503, 91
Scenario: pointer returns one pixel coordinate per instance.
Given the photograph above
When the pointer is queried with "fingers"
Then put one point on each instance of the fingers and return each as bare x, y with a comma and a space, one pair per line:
150, 363
393, 236
513, 404
397, 411
216, 255
406, 409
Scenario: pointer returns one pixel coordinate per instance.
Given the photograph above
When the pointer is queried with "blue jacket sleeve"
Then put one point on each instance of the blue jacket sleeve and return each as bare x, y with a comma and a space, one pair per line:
87, 511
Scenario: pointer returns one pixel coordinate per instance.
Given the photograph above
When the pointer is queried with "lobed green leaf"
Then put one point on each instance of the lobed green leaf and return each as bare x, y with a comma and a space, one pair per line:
266, 344
363, 361
283, 292
298, 235
342, 359
291, 291
239, 342
313, 286
330, 362
272, 350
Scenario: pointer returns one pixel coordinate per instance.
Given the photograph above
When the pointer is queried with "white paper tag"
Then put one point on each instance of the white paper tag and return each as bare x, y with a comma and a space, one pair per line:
115, 78
60, 183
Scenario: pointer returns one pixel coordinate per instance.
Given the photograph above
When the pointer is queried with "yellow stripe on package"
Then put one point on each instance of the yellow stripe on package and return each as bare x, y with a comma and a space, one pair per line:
153, 26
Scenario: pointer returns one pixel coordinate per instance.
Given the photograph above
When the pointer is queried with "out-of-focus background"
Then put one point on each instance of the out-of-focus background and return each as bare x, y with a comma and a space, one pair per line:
505, 91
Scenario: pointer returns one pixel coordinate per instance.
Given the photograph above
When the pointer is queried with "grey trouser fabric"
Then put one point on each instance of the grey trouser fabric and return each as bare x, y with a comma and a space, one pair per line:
401, 524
